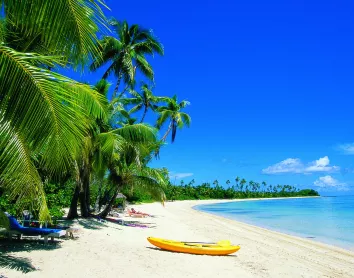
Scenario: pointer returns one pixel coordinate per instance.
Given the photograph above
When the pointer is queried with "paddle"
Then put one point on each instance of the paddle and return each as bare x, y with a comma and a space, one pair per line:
221, 242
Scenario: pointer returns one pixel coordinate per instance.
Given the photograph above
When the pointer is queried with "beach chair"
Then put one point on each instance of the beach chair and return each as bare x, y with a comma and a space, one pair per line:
19, 230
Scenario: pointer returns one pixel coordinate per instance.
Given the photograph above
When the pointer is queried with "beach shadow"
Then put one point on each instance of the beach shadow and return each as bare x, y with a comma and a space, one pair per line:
168, 251
128, 223
91, 223
7, 260
27, 244
17, 263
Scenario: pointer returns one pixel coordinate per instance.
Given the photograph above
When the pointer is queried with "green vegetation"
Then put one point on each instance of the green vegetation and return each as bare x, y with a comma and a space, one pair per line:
241, 189
64, 143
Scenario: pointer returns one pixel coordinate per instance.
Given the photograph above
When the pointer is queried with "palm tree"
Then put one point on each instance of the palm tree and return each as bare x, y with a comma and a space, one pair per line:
129, 170
43, 115
144, 100
100, 146
172, 112
127, 53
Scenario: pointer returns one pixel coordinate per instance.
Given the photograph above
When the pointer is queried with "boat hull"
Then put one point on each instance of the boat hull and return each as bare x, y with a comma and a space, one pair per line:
213, 249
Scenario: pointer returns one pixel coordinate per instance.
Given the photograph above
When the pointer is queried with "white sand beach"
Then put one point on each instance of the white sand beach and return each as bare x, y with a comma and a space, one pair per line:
112, 250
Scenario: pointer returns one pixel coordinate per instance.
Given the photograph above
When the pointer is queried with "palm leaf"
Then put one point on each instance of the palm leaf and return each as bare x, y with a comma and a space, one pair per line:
185, 118
163, 117
138, 133
45, 107
18, 175
65, 27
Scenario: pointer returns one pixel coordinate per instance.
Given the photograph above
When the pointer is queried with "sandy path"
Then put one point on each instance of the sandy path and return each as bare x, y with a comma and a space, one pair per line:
111, 250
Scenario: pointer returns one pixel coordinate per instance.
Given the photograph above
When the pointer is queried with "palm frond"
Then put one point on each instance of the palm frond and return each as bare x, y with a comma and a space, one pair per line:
110, 48
18, 175
67, 27
138, 133
185, 118
144, 67
163, 117
136, 108
102, 87
45, 107
152, 181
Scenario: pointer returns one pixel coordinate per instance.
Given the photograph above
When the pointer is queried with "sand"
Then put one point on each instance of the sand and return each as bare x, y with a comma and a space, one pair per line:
112, 250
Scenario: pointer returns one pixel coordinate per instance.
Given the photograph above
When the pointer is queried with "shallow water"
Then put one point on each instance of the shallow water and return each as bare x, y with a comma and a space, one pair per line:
326, 219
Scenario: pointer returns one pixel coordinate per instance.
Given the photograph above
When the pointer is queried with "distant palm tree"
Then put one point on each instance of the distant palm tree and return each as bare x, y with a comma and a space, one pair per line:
127, 53
172, 112
143, 100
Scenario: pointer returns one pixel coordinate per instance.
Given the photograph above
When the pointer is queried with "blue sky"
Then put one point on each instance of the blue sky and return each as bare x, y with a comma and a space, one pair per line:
270, 85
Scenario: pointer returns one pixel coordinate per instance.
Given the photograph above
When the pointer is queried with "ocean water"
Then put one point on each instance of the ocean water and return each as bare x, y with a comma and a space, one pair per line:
325, 219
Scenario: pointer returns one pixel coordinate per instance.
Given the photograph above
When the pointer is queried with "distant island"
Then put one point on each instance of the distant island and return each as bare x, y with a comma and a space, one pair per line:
241, 189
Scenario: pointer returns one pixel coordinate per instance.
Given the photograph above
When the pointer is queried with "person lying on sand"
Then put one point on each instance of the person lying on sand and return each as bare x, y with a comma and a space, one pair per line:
132, 212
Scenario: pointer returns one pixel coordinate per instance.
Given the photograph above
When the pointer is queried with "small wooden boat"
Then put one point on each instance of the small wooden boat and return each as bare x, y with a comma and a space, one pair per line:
223, 247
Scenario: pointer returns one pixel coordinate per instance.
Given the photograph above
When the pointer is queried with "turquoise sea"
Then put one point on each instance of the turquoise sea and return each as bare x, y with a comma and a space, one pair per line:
326, 219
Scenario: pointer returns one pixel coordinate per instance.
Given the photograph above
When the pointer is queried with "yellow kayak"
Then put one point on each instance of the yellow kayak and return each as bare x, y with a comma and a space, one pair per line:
220, 248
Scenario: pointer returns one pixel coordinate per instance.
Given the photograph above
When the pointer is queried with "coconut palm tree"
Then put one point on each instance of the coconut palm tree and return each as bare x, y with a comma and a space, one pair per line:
127, 53
101, 144
43, 115
172, 113
143, 100
129, 170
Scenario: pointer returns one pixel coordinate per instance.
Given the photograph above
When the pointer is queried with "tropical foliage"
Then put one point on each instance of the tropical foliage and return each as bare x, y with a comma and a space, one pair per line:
127, 52
172, 113
63, 142
43, 115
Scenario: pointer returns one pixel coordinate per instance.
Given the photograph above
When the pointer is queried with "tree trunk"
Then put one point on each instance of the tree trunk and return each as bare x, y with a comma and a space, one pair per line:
73, 205
167, 132
117, 86
145, 111
84, 192
125, 89
97, 204
117, 182
108, 208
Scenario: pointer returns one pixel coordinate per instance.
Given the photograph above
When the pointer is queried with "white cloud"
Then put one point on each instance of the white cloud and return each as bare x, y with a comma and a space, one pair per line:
294, 165
347, 148
180, 175
289, 165
321, 165
328, 181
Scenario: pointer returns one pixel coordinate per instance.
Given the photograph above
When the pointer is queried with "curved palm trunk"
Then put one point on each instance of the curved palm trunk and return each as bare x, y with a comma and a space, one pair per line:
145, 111
117, 181
125, 89
167, 132
73, 205
117, 86
109, 206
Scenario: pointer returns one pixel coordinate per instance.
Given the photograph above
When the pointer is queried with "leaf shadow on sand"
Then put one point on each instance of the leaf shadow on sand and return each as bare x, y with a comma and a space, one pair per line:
91, 223
129, 223
7, 248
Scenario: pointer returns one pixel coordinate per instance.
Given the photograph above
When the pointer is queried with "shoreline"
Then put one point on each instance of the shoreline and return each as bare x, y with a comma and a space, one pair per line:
108, 249
285, 233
